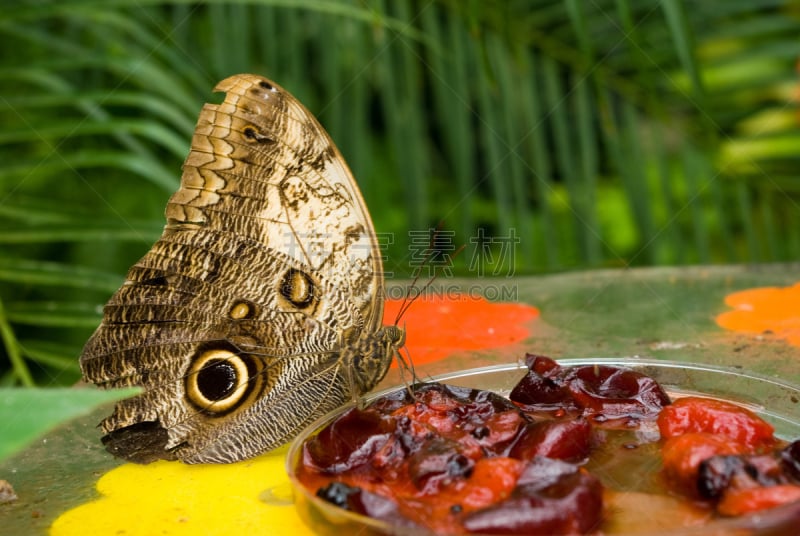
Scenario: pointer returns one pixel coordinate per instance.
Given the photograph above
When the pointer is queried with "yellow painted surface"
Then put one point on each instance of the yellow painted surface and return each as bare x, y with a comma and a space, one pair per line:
169, 498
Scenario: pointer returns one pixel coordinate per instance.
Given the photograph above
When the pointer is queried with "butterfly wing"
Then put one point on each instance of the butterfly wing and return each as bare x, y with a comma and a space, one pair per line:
234, 323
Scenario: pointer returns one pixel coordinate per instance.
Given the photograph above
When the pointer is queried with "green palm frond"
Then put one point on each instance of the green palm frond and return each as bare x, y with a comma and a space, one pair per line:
606, 133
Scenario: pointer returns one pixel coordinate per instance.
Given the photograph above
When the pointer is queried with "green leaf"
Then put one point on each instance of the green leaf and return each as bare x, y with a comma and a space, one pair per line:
19, 367
607, 133
89, 232
55, 314
31, 272
26, 414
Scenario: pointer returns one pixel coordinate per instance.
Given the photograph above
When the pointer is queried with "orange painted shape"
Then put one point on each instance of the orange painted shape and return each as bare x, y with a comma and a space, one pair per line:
773, 310
437, 326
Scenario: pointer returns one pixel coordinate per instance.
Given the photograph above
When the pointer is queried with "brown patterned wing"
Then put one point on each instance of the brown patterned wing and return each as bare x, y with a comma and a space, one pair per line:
259, 307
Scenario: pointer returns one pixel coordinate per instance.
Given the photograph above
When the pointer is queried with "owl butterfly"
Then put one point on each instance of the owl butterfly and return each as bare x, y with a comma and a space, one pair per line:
260, 307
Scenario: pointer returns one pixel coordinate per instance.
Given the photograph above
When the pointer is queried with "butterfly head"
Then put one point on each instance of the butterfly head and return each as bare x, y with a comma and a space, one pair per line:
394, 337
370, 358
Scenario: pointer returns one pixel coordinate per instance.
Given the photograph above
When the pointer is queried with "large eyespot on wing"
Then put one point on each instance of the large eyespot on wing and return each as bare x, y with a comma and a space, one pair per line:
219, 380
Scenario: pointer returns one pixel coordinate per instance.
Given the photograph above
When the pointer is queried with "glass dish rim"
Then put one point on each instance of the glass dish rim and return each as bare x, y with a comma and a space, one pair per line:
753, 522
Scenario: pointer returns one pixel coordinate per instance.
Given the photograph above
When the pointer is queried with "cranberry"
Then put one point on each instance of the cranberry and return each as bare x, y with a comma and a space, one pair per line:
348, 442
790, 459
439, 459
708, 415
602, 391
615, 392
563, 440
719, 474
363, 502
539, 393
551, 497
541, 364
477, 419
682, 456
338, 494
394, 400
749, 500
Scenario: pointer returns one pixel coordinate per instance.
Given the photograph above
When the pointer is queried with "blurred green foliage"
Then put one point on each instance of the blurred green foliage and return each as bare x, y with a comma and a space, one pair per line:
605, 133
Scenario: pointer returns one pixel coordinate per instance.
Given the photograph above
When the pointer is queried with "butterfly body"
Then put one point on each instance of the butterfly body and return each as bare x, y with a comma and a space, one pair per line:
260, 307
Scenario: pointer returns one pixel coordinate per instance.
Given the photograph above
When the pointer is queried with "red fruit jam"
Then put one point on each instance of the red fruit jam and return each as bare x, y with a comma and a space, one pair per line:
573, 450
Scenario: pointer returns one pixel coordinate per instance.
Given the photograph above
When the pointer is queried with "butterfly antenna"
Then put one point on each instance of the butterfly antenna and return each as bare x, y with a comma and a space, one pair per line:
409, 299
407, 364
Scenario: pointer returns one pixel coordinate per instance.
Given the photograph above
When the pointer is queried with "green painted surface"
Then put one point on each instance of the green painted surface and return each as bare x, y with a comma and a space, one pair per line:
53, 474
663, 313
